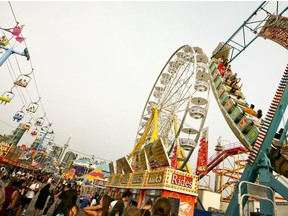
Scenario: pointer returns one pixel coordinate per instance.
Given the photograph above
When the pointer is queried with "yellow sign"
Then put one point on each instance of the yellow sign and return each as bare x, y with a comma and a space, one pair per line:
139, 161
123, 166
138, 179
156, 155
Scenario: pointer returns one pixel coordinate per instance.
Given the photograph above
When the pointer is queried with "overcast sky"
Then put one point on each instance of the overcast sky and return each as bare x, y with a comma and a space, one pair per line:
95, 64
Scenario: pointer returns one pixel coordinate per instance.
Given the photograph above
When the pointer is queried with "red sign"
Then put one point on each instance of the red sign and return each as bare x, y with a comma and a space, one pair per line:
276, 29
183, 181
202, 159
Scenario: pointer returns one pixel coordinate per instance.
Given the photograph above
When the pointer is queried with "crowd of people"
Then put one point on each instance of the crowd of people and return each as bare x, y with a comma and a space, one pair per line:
18, 189
232, 80
126, 206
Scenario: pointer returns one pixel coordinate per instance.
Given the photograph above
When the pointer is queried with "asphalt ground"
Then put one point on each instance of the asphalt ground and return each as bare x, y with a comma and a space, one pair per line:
30, 210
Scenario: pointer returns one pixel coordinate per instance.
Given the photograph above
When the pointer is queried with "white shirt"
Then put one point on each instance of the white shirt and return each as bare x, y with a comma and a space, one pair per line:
31, 193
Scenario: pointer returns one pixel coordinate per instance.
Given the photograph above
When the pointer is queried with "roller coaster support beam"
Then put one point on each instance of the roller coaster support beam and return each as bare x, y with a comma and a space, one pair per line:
245, 38
10, 51
261, 165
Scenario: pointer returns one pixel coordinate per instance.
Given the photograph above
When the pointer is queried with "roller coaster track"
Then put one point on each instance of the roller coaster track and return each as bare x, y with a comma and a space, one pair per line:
228, 150
248, 31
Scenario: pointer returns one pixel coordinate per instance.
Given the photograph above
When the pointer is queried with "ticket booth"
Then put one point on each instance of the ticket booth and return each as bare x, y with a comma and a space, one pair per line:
135, 193
180, 187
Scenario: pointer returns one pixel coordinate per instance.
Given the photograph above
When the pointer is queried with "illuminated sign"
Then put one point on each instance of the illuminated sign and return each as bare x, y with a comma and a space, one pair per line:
183, 181
156, 178
276, 29
116, 180
137, 178
125, 179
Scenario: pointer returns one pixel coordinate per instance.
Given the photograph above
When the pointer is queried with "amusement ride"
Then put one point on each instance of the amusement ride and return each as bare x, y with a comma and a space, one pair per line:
180, 98
172, 125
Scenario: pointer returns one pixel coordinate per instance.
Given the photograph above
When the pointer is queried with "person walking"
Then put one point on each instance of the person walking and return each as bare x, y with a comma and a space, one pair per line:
50, 202
32, 190
41, 199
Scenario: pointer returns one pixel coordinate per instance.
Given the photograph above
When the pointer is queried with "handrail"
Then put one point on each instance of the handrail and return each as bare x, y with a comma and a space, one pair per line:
229, 146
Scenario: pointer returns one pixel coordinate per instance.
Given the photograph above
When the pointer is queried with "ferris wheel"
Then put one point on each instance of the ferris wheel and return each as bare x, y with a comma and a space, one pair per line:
181, 97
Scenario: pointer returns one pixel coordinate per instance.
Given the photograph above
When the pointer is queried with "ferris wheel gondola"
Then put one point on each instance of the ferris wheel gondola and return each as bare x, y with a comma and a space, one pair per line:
181, 97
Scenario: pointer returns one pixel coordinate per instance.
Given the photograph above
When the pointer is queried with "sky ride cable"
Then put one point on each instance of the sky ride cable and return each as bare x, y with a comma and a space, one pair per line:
19, 68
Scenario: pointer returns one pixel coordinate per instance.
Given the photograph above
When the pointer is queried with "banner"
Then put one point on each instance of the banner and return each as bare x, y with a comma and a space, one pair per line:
4, 148
276, 29
202, 159
111, 168
139, 161
156, 155
122, 164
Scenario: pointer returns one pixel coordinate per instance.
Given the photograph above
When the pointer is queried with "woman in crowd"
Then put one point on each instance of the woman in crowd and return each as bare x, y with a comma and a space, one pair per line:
67, 206
162, 207
145, 211
11, 204
41, 199
99, 210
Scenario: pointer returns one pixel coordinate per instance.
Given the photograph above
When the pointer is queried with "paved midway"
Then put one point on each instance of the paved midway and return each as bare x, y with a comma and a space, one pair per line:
30, 210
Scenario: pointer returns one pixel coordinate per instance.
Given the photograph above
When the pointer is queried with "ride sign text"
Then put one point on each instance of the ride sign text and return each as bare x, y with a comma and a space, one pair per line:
183, 181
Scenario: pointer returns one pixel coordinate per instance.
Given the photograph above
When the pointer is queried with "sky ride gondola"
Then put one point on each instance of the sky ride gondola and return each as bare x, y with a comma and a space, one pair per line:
19, 115
40, 121
34, 132
23, 80
27, 125
7, 97
33, 106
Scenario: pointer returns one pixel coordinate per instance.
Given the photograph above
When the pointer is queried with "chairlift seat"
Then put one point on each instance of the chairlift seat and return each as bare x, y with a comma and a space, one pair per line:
17, 117
4, 42
5, 99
